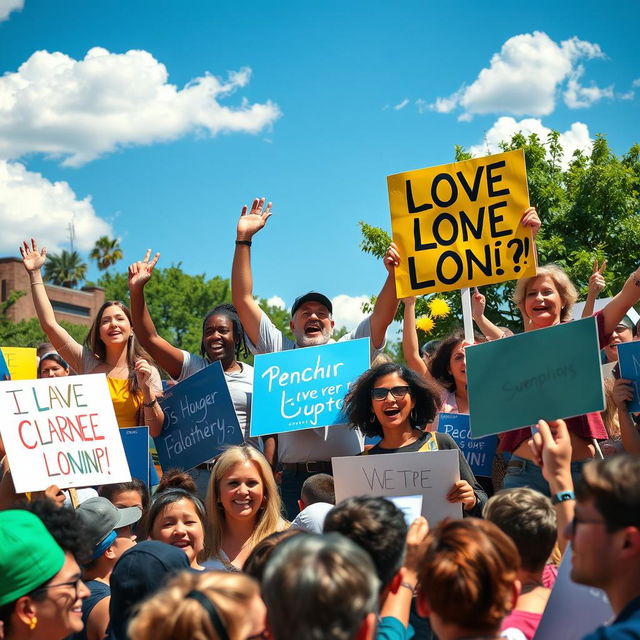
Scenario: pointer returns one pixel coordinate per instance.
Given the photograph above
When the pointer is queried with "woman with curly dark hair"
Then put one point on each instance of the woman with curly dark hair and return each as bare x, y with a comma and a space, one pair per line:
394, 403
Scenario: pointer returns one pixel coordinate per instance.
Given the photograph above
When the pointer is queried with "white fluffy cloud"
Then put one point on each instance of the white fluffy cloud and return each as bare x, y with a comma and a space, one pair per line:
577, 137
276, 301
577, 96
347, 310
7, 6
401, 105
81, 109
524, 78
30, 205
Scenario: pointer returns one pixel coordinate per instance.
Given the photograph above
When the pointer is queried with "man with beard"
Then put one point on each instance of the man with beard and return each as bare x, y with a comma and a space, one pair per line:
303, 453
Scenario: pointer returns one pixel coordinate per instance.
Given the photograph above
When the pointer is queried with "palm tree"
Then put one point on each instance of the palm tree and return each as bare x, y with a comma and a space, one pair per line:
106, 252
65, 269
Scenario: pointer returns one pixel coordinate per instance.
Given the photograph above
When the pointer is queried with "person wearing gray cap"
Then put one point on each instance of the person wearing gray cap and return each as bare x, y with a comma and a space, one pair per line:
303, 453
111, 534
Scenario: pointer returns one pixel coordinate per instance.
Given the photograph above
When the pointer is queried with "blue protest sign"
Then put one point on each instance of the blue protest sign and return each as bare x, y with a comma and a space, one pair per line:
479, 452
199, 420
546, 374
305, 388
135, 441
629, 359
4, 369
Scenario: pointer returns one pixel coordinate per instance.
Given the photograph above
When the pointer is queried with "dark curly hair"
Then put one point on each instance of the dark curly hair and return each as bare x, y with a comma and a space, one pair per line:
357, 405
439, 366
228, 311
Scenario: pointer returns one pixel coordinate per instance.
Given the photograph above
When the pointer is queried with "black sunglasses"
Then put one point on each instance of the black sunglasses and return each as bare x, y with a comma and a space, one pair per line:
380, 393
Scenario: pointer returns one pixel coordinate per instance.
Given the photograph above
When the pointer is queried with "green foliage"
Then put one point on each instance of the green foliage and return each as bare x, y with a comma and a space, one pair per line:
178, 303
106, 252
65, 269
590, 210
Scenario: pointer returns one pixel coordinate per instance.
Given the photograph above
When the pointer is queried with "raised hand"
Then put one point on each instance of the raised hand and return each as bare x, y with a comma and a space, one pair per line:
531, 219
596, 280
391, 257
31, 257
622, 393
478, 304
140, 272
551, 448
253, 220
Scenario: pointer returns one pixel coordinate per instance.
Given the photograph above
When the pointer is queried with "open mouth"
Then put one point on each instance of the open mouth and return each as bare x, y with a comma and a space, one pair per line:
181, 544
312, 329
391, 412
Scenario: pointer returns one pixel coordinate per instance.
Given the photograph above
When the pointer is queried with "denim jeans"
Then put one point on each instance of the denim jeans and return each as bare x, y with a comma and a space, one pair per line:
530, 475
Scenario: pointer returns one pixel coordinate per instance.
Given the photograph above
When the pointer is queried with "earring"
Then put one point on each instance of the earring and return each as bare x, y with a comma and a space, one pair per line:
33, 623
372, 418
414, 416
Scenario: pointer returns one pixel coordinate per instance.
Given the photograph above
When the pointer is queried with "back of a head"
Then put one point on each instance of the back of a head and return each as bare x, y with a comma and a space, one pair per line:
468, 573
375, 525
614, 486
318, 488
205, 606
255, 564
319, 587
140, 572
529, 519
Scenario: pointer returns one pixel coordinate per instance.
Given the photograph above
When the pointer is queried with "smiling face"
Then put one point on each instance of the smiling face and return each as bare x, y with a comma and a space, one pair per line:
241, 491
114, 327
218, 339
178, 524
312, 324
620, 334
392, 413
542, 303
458, 366
60, 613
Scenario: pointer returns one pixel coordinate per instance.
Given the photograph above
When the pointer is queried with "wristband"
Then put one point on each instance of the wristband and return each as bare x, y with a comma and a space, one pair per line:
563, 496
406, 585
148, 405
247, 243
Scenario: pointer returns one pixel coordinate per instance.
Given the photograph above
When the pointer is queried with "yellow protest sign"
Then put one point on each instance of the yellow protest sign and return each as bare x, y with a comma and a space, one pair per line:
457, 225
21, 362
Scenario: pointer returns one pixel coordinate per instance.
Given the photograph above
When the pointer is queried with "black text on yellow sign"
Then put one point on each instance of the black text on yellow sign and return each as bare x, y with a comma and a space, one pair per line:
458, 225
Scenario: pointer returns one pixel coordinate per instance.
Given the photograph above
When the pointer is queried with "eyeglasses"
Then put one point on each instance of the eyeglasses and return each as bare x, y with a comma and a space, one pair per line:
72, 583
380, 393
576, 521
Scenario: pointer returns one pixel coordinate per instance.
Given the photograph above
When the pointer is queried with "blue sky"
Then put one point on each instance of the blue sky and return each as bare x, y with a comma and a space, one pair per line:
324, 101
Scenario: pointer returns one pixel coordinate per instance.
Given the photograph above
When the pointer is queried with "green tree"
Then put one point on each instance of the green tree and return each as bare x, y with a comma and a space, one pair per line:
589, 210
65, 269
178, 303
106, 252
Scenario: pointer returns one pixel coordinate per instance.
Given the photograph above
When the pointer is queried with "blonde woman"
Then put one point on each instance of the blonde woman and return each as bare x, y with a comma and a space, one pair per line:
209, 606
110, 348
243, 507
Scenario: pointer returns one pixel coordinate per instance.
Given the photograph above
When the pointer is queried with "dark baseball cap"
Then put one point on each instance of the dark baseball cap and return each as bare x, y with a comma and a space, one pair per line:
312, 296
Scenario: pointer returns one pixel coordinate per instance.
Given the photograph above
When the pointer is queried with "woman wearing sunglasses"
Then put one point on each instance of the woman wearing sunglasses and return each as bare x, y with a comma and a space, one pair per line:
392, 402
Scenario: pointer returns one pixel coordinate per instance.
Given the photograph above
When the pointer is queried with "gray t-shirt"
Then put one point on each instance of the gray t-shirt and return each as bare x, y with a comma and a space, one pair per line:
240, 385
324, 443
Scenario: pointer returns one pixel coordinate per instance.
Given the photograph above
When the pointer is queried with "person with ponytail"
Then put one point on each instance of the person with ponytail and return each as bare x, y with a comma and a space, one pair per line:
110, 348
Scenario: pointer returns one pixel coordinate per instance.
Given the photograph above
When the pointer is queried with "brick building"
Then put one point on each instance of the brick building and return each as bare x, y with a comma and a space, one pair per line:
78, 306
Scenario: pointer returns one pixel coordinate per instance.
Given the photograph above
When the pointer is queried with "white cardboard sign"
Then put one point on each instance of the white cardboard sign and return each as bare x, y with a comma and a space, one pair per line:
430, 474
61, 431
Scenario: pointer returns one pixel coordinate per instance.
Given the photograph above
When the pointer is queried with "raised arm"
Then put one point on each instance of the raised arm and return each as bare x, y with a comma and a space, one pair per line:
596, 285
386, 304
33, 259
551, 448
621, 303
165, 354
488, 329
410, 346
623, 394
149, 383
241, 277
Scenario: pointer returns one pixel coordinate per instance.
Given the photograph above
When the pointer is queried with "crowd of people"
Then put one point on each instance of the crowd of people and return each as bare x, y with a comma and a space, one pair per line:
251, 543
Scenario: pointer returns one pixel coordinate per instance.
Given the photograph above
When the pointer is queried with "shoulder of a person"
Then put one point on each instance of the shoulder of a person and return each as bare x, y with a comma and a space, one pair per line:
445, 441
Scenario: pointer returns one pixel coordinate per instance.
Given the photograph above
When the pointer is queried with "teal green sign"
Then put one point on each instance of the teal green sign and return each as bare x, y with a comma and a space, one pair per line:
549, 373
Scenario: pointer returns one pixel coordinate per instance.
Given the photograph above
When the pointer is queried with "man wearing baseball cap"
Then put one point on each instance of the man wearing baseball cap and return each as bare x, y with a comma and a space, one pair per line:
303, 453
111, 535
